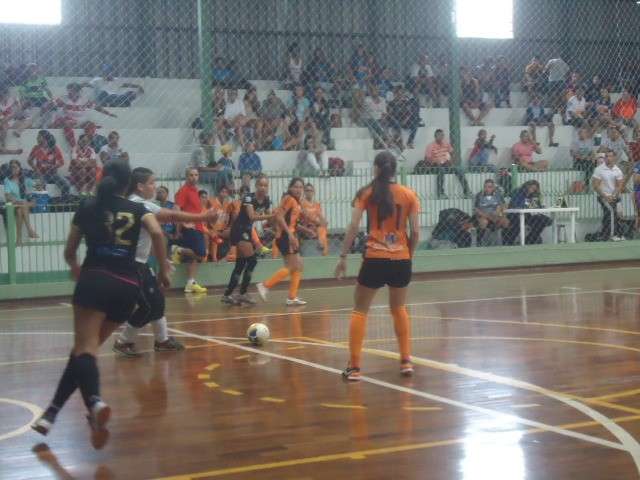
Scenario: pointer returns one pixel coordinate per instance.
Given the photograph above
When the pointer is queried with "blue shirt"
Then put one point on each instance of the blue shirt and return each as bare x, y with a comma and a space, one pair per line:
250, 162
636, 171
227, 163
221, 74
168, 228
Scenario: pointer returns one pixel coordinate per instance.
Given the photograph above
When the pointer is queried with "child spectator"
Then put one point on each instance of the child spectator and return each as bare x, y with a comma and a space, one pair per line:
583, 153
403, 113
522, 154
536, 116
479, 157
83, 166
112, 151
15, 191
250, 163
45, 159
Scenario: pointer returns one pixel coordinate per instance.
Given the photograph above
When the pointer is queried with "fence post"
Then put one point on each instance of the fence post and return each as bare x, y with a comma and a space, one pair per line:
205, 52
455, 91
403, 174
11, 243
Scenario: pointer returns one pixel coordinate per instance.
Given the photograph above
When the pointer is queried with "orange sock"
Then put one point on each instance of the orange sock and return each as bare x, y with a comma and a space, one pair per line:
357, 330
277, 277
294, 284
402, 326
322, 238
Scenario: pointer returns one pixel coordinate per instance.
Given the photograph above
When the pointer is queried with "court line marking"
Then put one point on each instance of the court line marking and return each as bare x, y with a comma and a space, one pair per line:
35, 411
626, 393
428, 396
343, 406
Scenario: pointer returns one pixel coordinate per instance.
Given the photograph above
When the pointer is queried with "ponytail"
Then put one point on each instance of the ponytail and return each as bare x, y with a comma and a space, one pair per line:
115, 181
381, 195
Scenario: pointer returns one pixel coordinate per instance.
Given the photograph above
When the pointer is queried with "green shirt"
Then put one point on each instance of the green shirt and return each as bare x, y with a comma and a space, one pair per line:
34, 89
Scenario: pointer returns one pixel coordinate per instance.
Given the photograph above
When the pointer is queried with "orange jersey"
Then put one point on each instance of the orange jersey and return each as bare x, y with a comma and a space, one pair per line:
224, 213
389, 239
311, 211
290, 209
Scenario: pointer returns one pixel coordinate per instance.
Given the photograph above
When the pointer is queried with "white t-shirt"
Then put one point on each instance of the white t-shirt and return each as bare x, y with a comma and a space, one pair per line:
418, 70
576, 105
375, 110
232, 110
557, 69
608, 176
75, 109
112, 153
143, 250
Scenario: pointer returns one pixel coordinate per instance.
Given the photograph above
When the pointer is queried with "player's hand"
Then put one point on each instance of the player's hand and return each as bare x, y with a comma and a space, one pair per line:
295, 244
212, 215
75, 271
341, 268
164, 279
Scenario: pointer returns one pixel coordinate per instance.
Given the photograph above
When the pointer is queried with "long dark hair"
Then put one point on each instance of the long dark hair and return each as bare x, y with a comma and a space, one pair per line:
49, 138
21, 184
115, 180
293, 181
381, 195
138, 175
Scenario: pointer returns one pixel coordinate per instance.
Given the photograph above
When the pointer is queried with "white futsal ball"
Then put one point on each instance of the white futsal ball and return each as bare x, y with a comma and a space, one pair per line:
258, 333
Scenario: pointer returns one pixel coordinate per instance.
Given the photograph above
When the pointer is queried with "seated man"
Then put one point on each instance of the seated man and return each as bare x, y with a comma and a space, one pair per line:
537, 117
472, 98
235, 117
375, 116
583, 154
403, 113
625, 109
522, 154
422, 80
527, 196
489, 209
479, 157
576, 110
111, 92
608, 182
615, 142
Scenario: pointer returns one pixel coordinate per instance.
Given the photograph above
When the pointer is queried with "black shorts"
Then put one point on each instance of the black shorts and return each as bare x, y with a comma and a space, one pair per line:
240, 234
193, 240
151, 301
378, 272
115, 295
284, 245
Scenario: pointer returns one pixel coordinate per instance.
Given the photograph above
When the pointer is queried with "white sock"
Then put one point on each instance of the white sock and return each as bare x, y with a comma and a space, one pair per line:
191, 281
128, 334
160, 330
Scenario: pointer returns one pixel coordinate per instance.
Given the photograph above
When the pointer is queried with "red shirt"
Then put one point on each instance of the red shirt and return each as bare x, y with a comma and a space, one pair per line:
625, 109
46, 161
188, 200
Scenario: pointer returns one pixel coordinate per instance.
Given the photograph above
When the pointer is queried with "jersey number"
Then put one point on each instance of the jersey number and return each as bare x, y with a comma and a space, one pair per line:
120, 231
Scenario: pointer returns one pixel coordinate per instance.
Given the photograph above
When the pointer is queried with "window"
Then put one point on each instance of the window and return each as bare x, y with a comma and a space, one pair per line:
484, 18
31, 12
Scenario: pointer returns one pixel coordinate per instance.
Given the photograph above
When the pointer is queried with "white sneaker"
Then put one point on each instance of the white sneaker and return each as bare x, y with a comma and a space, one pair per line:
42, 425
262, 291
615, 238
98, 417
295, 302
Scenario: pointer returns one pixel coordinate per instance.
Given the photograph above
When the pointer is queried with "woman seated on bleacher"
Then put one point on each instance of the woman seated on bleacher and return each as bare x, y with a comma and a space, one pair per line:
15, 187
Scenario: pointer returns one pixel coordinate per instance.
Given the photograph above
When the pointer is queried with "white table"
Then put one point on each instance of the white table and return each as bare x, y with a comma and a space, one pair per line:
553, 211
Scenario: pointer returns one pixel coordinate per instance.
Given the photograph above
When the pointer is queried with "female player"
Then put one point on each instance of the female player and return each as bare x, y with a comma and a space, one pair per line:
387, 258
107, 288
151, 303
255, 207
287, 216
313, 221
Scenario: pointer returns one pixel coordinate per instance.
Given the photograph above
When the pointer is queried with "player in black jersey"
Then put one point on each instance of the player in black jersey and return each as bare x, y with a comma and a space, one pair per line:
107, 288
254, 207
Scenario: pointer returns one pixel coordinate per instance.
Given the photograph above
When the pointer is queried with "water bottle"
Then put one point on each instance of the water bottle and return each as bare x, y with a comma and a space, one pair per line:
562, 234
41, 201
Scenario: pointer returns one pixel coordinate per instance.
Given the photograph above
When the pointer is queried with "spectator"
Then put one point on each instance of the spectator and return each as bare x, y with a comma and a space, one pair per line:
75, 112
273, 112
112, 151
533, 77
522, 154
625, 109
472, 98
310, 158
601, 108
385, 84
358, 107
219, 103
321, 114
374, 68
359, 65
11, 115
484, 74
45, 159
576, 110
235, 117
502, 82
557, 70
437, 159
375, 115
96, 141
319, 69
299, 105
608, 182
192, 235
593, 88
294, 65
83, 166
293, 135
34, 91
479, 157
583, 154
250, 163
110, 92
313, 223
222, 74
489, 207
15, 191
441, 71
634, 145
169, 229
452, 230
572, 84
422, 80
527, 196
252, 109
537, 117
615, 142
403, 113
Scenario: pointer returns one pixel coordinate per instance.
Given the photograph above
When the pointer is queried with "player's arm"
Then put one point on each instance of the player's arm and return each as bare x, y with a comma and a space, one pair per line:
350, 235
166, 215
71, 250
254, 217
159, 247
414, 231
104, 111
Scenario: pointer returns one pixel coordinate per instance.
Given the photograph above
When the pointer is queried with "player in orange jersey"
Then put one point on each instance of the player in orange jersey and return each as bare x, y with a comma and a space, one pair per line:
287, 215
391, 208
313, 224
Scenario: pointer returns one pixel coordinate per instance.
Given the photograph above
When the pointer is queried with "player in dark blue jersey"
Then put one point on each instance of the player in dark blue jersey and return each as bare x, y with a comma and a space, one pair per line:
254, 207
107, 288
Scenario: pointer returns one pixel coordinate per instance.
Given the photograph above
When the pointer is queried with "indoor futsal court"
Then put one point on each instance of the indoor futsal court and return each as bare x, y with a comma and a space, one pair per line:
521, 374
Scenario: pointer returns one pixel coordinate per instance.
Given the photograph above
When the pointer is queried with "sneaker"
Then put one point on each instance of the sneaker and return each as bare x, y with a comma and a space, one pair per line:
125, 348
229, 300
175, 255
615, 238
245, 299
406, 368
194, 288
351, 374
265, 250
169, 345
262, 291
44, 423
98, 417
296, 302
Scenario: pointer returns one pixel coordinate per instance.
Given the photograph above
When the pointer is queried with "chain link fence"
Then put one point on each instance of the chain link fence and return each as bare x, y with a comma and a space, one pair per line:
481, 127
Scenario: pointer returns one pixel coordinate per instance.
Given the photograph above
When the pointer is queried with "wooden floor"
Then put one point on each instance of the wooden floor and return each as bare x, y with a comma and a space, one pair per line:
518, 376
